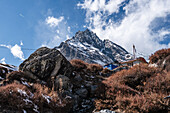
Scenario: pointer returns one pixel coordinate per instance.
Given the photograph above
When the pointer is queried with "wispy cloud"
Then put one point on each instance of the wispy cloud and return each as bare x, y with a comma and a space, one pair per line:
15, 50
53, 22
3, 61
134, 27
21, 15
52, 31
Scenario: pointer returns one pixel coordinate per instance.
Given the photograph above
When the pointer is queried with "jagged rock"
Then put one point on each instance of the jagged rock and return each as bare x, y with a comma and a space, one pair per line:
45, 63
93, 89
76, 103
3, 72
87, 46
78, 78
5, 69
88, 83
82, 92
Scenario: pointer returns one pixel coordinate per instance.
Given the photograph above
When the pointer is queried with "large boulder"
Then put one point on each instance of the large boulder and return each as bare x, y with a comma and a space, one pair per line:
46, 63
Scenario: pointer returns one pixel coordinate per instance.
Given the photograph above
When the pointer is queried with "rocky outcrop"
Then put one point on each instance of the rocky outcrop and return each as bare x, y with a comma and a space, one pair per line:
76, 82
5, 69
46, 63
86, 85
3, 72
45, 75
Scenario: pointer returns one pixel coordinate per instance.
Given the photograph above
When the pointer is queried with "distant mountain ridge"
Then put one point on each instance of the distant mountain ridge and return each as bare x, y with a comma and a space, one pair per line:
87, 46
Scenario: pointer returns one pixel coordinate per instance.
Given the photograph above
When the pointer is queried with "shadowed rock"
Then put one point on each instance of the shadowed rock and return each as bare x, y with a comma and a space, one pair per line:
46, 63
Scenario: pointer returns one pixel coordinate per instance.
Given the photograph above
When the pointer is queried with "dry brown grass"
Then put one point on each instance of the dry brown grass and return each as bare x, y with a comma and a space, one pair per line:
145, 103
38, 95
139, 89
12, 99
158, 55
78, 64
94, 68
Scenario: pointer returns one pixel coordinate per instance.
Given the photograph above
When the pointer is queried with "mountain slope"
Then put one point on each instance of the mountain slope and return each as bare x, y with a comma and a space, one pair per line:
87, 46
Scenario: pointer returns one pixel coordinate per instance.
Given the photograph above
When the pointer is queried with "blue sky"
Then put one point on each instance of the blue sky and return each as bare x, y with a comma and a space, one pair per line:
35, 23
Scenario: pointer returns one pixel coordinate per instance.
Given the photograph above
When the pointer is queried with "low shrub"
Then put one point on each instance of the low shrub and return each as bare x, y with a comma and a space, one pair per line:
139, 89
158, 55
78, 64
94, 67
18, 97
146, 103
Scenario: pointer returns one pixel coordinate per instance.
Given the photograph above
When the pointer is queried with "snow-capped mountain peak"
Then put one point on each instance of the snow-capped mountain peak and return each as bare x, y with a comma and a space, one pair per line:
87, 46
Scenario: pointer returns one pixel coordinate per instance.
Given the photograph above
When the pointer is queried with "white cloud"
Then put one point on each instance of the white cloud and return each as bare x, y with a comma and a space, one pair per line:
101, 5
3, 61
15, 50
164, 32
134, 28
7, 46
53, 22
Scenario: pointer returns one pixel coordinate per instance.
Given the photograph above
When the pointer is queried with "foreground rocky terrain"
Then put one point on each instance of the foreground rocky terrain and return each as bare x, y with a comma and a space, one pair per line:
47, 82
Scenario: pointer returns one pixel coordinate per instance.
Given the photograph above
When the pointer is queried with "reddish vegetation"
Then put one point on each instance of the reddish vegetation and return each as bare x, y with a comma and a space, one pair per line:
139, 89
79, 65
19, 97
94, 67
159, 55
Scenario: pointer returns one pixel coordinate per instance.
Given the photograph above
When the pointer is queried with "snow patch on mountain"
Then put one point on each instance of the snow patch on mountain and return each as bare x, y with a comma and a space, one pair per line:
87, 46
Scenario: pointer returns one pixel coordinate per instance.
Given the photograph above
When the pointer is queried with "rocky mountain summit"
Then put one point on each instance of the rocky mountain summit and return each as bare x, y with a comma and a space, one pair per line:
87, 46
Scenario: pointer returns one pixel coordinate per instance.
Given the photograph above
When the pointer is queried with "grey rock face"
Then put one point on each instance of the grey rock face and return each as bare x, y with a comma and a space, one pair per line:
5, 69
62, 83
45, 63
82, 92
87, 46
93, 88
